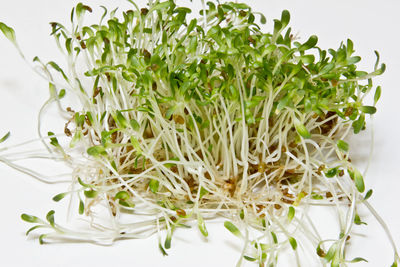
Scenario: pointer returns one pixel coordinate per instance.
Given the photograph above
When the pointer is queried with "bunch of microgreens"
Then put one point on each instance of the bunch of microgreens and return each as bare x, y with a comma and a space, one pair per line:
188, 120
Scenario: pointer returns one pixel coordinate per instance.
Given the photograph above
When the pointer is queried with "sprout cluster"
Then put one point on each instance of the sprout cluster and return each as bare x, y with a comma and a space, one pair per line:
187, 120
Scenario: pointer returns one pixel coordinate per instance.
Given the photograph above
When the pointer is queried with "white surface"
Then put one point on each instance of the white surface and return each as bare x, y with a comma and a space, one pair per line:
370, 25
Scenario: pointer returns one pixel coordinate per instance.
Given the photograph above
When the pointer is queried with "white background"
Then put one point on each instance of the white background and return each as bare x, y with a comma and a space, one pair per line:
372, 25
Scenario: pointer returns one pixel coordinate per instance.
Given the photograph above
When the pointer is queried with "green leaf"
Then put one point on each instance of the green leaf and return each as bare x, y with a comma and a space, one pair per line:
126, 203
368, 109
285, 18
358, 125
331, 253
342, 145
81, 207
169, 112
293, 243
353, 60
274, 237
58, 197
84, 184
96, 151
350, 46
124, 199
311, 42
33, 228
307, 59
30, 218
377, 95
357, 220
241, 214
327, 68
53, 140
153, 185
202, 226
57, 68
263, 19
249, 258
161, 6
381, 70
81, 8
41, 237
121, 120
358, 259
232, 228
5, 137
368, 194
50, 217
291, 213
331, 172
90, 193
8, 32
168, 239
61, 94
359, 181
302, 130
136, 145
135, 125
203, 192
162, 250
122, 195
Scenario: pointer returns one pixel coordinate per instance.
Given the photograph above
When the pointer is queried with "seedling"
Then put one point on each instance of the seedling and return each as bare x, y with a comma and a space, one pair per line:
186, 119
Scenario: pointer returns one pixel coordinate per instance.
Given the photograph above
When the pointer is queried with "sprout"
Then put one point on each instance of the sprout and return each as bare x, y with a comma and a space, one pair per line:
189, 119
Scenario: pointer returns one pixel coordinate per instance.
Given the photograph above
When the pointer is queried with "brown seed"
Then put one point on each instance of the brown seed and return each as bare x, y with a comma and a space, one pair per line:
224, 75
108, 76
251, 40
96, 91
174, 169
242, 13
154, 67
87, 120
106, 40
67, 132
179, 119
180, 213
83, 45
293, 145
321, 253
88, 8
146, 54
144, 11
348, 111
260, 208
328, 194
277, 206
287, 201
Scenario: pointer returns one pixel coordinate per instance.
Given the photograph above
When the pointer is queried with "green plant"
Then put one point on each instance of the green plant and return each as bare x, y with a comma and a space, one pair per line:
184, 120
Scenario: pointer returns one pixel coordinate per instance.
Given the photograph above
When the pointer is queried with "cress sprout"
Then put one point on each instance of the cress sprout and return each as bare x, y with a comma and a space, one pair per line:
184, 120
